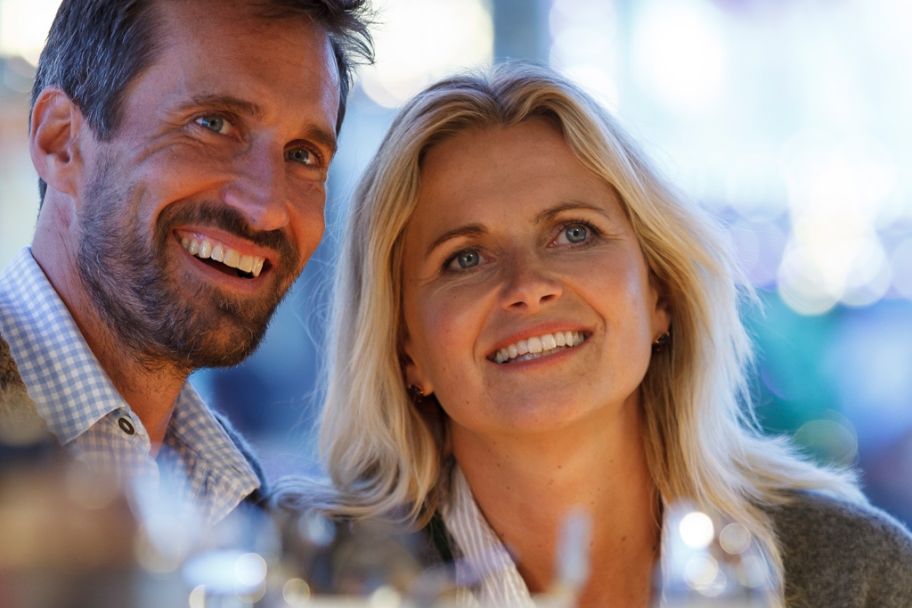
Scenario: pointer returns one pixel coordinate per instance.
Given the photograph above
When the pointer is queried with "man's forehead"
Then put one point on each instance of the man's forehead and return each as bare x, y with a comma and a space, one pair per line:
255, 16
243, 31
243, 26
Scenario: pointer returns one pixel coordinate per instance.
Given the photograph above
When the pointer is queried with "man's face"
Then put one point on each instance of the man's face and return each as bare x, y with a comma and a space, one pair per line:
202, 209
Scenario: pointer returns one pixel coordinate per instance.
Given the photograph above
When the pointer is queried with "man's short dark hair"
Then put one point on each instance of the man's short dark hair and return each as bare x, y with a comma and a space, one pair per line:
97, 47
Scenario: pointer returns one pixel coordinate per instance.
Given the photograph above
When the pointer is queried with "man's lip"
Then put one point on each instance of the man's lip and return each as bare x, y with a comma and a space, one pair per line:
537, 330
239, 244
246, 286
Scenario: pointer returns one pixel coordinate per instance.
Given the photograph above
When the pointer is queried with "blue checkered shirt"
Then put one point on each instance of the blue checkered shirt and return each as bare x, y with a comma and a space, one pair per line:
81, 407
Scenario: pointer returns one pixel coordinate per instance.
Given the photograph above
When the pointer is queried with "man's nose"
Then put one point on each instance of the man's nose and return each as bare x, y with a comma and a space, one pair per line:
528, 285
259, 189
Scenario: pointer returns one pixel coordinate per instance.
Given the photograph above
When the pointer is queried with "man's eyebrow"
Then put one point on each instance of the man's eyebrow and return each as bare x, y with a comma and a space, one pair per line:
462, 231
322, 137
227, 103
550, 212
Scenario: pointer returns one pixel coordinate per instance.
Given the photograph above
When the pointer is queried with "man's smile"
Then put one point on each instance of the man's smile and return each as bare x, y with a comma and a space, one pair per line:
219, 255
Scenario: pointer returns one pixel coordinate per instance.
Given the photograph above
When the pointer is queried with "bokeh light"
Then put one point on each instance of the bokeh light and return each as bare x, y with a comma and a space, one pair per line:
902, 268
702, 573
679, 52
585, 53
696, 530
296, 593
418, 42
734, 539
832, 441
197, 597
24, 26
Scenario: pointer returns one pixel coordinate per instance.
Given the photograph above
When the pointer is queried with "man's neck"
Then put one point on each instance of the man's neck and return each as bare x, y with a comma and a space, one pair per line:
151, 391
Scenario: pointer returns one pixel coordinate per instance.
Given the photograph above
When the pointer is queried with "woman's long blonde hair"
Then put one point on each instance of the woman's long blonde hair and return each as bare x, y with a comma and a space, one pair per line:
702, 441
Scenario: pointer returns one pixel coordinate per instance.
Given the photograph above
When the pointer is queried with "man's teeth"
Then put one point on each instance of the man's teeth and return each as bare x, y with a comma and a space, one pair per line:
213, 250
539, 345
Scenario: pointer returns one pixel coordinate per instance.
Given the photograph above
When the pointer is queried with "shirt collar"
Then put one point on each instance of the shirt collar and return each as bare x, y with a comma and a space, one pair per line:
216, 468
486, 572
485, 565
72, 392
59, 370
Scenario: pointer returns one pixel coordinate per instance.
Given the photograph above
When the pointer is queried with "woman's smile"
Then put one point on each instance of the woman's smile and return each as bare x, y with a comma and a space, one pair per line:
537, 347
530, 268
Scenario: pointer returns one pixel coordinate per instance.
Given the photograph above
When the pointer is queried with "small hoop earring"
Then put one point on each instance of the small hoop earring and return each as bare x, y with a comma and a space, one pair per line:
416, 393
661, 343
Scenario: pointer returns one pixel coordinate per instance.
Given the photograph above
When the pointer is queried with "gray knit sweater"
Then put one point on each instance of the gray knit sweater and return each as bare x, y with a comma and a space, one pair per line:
839, 554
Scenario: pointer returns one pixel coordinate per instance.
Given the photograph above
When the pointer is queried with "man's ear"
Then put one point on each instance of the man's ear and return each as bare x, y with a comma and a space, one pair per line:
54, 140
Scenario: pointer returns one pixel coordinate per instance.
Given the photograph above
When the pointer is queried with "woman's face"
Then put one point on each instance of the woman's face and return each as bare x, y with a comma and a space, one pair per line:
527, 301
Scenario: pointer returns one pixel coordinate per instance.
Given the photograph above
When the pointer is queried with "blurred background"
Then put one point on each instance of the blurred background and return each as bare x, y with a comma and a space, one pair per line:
789, 120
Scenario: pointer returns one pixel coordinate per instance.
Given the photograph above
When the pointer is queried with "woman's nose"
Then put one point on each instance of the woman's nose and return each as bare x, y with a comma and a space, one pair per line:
529, 286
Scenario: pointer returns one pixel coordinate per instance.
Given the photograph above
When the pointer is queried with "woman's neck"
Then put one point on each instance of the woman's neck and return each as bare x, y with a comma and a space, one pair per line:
526, 486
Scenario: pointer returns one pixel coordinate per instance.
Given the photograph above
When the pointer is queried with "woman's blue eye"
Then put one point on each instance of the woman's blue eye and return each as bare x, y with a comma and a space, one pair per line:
464, 259
213, 123
576, 233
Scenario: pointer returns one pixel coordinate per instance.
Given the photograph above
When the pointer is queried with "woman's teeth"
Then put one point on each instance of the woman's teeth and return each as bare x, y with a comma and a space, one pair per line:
206, 249
539, 346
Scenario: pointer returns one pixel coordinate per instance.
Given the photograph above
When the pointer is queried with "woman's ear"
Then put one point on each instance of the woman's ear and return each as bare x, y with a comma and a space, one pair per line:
414, 374
54, 130
661, 314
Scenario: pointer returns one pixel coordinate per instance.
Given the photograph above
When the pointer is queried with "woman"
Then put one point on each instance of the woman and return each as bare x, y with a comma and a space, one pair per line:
528, 321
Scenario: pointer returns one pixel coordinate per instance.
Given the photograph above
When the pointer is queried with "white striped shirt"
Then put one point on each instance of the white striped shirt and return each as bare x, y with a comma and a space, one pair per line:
486, 573
81, 407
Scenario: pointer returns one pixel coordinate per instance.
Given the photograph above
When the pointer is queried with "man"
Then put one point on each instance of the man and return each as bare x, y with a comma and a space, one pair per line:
182, 149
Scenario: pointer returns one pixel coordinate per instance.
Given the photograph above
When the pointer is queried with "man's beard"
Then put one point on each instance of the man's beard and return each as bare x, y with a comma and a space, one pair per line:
138, 291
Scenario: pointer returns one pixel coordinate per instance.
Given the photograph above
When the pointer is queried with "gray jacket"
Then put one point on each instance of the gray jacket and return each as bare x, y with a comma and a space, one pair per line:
839, 554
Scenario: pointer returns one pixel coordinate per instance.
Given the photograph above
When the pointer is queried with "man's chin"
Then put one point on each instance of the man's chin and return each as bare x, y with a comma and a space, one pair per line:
221, 349
221, 336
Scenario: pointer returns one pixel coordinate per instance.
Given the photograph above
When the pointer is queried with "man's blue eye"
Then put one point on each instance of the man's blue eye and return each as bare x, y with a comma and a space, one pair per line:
301, 155
213, 123
576, 233
465, 259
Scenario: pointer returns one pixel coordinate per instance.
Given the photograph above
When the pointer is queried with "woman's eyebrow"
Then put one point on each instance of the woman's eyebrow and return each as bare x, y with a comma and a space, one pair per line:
461, 231
550, 212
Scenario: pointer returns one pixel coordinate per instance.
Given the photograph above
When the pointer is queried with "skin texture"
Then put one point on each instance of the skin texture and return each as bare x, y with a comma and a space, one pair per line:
513, 237
228, 135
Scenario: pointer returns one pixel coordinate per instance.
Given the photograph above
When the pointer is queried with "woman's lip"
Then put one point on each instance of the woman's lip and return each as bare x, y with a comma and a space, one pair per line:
553, 356
537, 332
